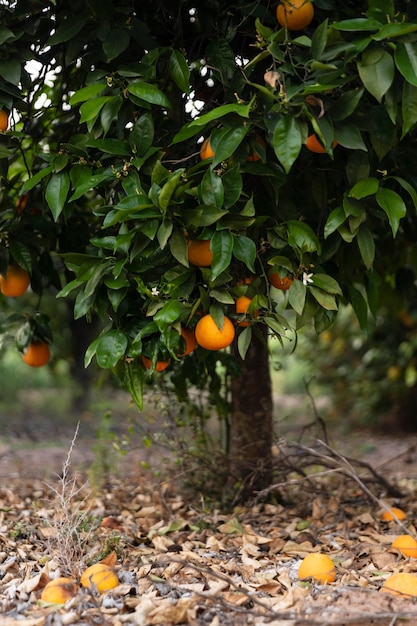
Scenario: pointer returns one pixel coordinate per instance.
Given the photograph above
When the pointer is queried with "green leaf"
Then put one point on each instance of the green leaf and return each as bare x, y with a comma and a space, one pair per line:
92, 183
327, 283
365, 187
117, 41
90, 110
68, 29
376, 70
407, 187
168, 188
110, 146
349, 136
366, 245
335, 219
406, 61
168, 314
302, 237
149, 93
178, 247
56, 193
393, 205
222, 248
164, 233
346, 104
142, 134
319, 40
360, 307
408, 108
210, 190
244, 249
389, 31
226, 142
5, 35
233, 185
243, 341
358, 24
110, 348
21, 255
86, 93
10, 70
179, 71
324, 299
297, 296
133, 378
192, 128
34, 180
287, 140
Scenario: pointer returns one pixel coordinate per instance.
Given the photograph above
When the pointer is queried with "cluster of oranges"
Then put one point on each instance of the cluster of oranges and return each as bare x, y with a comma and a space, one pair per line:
13, 285
98, 577
208, 333
321, 568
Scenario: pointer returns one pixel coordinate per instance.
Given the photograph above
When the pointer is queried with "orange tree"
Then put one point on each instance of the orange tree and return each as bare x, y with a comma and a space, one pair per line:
308, 175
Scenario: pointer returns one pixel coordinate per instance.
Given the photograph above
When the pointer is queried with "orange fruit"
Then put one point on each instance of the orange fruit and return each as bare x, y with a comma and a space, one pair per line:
37, 354
16, 281
190, 341
59, 591
210, 336
406, 544
401, 584
199, 252
4, 121
317, 566
246, 281
314, 145
160, 366
295, 14
393, 513
99, 576
242, 304
280, 283
255, 156
206, 151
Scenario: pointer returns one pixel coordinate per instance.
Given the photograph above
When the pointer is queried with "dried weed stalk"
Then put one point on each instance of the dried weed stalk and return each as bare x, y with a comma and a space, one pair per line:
71, 523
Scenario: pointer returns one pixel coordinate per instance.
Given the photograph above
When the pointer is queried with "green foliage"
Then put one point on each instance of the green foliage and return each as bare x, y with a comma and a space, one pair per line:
105, 143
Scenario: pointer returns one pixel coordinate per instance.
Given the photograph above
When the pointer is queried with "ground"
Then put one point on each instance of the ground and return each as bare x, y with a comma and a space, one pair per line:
184, 561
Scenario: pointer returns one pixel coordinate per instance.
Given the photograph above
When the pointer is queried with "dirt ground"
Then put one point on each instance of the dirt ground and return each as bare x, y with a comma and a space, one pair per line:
180, 562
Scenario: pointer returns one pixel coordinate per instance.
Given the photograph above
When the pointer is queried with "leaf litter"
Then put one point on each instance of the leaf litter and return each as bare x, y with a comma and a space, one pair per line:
182, 563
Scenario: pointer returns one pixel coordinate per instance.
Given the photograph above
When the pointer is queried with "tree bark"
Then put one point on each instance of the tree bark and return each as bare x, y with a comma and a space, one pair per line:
251, 430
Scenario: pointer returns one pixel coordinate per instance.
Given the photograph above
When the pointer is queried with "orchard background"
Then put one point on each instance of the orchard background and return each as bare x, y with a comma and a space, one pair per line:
103, 189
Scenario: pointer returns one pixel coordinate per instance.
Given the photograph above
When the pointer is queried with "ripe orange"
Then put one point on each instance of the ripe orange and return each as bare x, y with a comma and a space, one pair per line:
101, 576
190, 340
15, 283
401, 584
317, 566
242, 304
210, 336
314, 145
4, 121
199, 252
393, 513
280, 283
255, 156
295, 14
406, 544
160, 366
37, 354
59, 591
206, 151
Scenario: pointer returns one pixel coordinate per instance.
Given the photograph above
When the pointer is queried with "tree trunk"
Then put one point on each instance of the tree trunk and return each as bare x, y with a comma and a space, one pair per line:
251, 431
